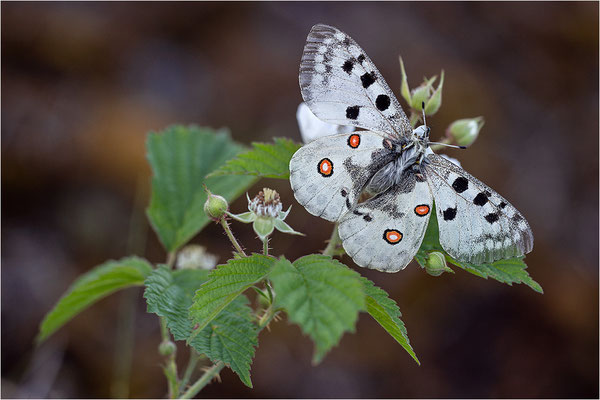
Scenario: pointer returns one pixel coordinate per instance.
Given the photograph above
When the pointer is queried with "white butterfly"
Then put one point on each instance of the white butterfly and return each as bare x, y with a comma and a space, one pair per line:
341, 85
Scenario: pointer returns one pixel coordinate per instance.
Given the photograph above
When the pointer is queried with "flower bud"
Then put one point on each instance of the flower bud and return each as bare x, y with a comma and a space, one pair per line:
421, 94
166, 348
215, 206
464, 131
404, 90
435, 264
435, 101
263, 226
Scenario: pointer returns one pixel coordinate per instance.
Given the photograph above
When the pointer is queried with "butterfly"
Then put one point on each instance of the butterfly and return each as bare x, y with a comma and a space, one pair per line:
389, 158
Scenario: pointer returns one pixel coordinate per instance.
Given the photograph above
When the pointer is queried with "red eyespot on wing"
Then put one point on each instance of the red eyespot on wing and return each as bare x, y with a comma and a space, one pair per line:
325, 167
422, 210
354, 141
392, 236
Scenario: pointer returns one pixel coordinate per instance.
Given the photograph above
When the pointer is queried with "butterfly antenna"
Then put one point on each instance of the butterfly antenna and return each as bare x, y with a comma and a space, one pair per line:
449, 145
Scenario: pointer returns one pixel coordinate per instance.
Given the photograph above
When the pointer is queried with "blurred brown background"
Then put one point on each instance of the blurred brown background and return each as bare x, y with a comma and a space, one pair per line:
82, 84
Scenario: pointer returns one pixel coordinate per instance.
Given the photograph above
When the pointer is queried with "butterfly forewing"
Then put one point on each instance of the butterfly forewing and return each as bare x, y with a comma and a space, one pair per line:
386, 231
341, 85
328, 174
476, 224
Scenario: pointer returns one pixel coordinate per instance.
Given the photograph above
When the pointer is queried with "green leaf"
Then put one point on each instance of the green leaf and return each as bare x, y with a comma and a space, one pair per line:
231, 337
386, 312
181, 157
267, 160
91, 287
169, 294
321, 295
225, 284
508, 271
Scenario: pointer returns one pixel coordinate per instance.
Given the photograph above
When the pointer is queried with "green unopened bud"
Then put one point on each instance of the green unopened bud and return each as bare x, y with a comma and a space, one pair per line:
215, 206
421, 94
435, 264
263, 226
435, 101
404, 89
464, 131
166, 348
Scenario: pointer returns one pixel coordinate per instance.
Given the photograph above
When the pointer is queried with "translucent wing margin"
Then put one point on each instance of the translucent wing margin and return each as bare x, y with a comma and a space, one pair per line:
341, 85
476, 224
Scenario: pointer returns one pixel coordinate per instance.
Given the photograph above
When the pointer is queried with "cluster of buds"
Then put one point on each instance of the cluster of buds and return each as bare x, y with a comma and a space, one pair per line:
462, 132
424, 94
266, 214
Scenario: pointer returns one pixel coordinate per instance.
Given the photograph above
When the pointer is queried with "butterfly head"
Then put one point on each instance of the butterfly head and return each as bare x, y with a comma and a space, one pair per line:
421, 133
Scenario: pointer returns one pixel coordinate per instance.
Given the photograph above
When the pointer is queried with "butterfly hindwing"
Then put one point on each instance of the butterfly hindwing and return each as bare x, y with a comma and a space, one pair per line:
476, 224
328, 174
341, 85
386, 231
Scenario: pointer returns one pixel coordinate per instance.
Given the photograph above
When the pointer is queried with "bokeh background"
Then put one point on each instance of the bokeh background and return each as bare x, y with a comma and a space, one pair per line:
83, 83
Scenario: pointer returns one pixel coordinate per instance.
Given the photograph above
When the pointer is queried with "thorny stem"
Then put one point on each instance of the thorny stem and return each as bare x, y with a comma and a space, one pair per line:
266, 246
192, 363
203, 381
232, 238
263, 321
334, 242
171, 367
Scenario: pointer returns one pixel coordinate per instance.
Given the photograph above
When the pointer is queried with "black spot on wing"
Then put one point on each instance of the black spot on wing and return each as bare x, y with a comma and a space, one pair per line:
449, 214
367, 218
382, 102
348, 65
460, 184
361, 58
344, 192
352, 112
368, 78
491, 217
502, 205
480, 199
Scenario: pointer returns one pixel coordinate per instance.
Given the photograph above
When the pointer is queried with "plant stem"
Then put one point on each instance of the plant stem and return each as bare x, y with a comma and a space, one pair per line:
334, 241
171, 367
171, 259
192, 363
414, 118
266, 246
235, 243
203, 381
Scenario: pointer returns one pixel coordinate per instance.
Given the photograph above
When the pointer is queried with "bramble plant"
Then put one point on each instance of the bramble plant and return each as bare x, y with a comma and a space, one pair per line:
196, 173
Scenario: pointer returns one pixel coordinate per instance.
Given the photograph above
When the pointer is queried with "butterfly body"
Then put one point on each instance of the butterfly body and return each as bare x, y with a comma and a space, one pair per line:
392, 161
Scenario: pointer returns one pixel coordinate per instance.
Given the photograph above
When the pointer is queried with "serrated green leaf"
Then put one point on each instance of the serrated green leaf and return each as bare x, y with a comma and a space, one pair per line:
386, 312
267, 160
225, 283
169, 294
91, 287
231, 337
181, 157
321, 295
507, 271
